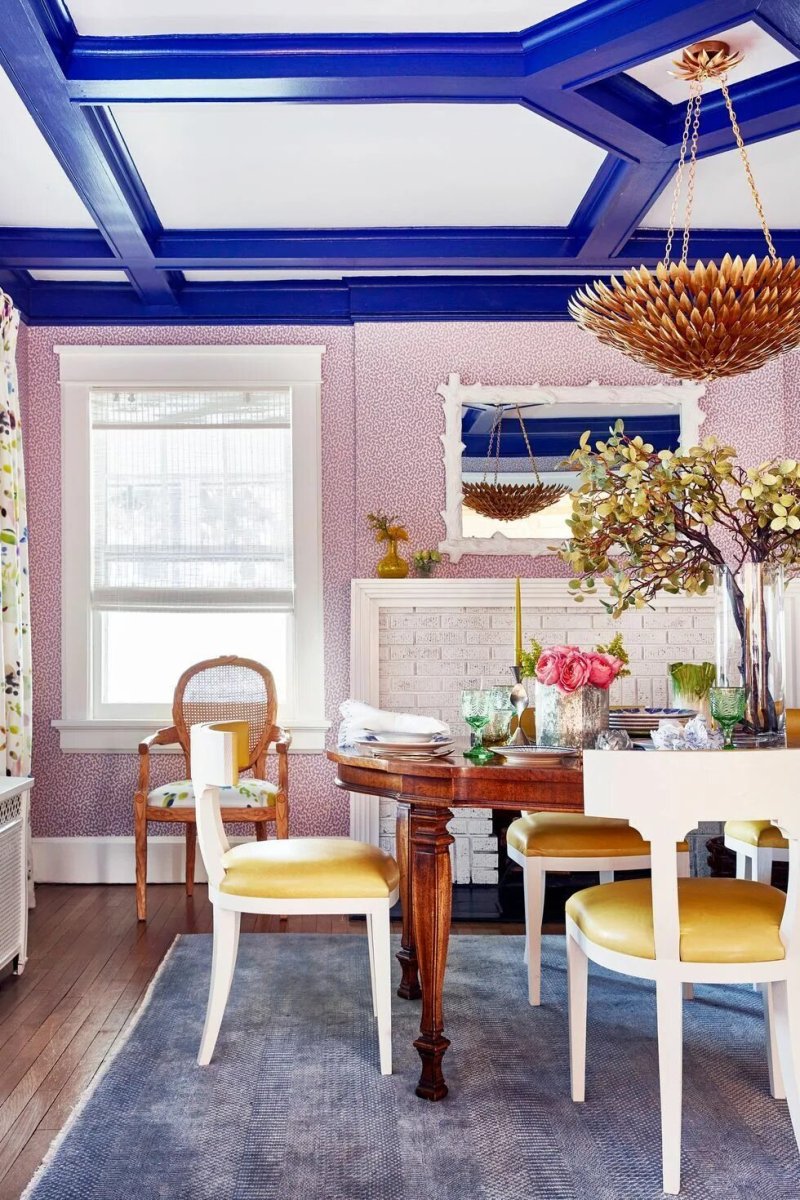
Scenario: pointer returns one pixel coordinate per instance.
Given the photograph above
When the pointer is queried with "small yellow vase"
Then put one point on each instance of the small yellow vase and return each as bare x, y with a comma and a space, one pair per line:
392, 566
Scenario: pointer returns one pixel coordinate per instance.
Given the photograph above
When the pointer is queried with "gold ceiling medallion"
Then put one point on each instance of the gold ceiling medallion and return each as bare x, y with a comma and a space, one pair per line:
702, 321
509, 501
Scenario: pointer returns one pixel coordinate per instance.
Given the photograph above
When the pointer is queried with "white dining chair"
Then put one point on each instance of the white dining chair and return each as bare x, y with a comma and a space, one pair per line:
758, 844
707, 930
551, 842
283, 877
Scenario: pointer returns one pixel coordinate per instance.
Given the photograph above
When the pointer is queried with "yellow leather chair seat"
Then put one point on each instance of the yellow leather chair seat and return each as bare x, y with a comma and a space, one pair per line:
309, 869
756, 833
572, 835
722, 920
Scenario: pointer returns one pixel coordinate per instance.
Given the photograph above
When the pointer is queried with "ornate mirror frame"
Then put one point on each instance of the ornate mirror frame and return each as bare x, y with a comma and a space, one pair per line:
455, 395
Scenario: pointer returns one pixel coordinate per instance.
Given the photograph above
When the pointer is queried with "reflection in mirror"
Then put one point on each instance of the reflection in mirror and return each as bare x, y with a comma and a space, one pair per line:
538, 438
553, 419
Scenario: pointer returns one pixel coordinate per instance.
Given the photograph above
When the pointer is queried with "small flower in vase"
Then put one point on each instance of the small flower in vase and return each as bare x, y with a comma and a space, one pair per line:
572, 690
425, 562
389, 530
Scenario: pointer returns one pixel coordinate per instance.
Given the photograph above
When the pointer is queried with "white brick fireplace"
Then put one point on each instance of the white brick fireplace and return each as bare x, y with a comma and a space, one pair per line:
417, 642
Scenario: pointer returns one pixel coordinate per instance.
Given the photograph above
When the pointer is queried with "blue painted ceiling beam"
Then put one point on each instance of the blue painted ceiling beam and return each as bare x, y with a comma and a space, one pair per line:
354, 250
81, 141
580, 45
316, 302
610, 213
595, 40
781, 20
79, 249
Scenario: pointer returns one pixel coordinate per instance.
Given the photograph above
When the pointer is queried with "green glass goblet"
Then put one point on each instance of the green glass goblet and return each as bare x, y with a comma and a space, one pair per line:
727, 709
501, 711
476, 709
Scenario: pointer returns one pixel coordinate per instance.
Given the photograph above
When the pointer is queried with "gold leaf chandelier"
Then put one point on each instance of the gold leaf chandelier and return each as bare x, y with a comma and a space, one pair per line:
702, 321
509, 501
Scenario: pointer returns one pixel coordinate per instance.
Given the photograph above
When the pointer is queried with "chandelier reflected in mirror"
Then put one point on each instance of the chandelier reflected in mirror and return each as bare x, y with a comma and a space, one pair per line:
699, 321
509, 501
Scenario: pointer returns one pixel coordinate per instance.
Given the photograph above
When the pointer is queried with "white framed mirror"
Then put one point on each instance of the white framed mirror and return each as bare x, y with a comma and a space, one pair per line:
549, 421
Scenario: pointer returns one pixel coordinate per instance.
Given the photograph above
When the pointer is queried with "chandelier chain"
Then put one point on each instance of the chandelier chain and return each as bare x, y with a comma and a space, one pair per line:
679, 178
528, 445
737, 133
687, 223
494, 443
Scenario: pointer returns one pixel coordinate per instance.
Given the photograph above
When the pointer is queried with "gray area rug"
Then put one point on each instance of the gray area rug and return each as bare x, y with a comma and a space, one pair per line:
293, 1105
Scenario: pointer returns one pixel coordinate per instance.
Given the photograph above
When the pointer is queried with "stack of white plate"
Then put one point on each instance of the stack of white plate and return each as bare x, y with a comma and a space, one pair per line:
405, 745
640, 722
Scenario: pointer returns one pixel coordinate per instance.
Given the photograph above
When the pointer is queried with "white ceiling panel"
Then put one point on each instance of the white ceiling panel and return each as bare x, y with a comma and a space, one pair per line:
34, 191
80, 276
131, 17
244, 166
722, 197
761, 54
223, 276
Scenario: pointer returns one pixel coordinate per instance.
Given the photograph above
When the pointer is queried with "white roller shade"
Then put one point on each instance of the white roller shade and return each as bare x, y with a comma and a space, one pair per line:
191, 500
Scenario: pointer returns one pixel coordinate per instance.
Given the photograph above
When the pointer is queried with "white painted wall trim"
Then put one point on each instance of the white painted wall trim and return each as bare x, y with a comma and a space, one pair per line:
86, 726
123, 737
111, 860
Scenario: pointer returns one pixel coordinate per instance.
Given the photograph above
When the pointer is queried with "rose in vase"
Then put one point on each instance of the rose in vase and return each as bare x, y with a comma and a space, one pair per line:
569, 668
572, 693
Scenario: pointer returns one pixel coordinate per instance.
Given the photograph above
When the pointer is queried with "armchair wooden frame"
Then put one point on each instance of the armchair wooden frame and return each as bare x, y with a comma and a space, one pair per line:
178, 734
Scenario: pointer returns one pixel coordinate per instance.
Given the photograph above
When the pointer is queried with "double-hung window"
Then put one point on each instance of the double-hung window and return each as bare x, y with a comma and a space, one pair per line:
191, 529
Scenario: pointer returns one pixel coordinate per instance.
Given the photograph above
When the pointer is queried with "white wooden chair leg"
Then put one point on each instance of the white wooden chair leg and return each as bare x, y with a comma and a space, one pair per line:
543, 890
223, 964
533, 881
785, 1002
742, 864
684, 871
776, 1087
669, 1003
763, 866
606, 876
578, 994
371, 945
383, 986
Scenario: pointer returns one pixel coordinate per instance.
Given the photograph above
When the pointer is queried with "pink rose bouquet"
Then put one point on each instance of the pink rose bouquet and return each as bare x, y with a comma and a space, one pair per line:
568, 668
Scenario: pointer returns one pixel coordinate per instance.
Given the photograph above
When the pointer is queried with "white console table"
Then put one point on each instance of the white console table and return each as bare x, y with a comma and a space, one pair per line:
14, 807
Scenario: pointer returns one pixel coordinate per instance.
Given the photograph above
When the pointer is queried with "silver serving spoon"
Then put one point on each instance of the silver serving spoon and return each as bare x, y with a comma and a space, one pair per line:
519, 699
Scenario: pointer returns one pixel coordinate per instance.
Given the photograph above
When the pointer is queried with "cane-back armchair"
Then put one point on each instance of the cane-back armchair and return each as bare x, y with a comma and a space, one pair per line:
217, 689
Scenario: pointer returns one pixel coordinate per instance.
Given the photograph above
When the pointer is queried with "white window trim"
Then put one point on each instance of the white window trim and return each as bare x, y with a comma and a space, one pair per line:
83, 368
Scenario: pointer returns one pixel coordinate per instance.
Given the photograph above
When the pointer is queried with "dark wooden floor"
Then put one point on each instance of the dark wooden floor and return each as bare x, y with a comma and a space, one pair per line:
89, 965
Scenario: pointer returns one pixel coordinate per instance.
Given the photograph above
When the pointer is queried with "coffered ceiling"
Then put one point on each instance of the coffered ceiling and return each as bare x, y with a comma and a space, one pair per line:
373, 159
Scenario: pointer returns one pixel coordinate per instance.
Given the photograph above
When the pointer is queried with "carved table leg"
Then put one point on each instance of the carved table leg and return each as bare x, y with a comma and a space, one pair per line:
409, 988
432, 903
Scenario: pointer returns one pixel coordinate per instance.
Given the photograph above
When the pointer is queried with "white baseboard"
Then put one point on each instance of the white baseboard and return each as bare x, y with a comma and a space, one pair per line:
110, 860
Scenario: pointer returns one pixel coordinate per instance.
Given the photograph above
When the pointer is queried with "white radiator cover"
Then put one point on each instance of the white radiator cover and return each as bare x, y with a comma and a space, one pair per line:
14, 795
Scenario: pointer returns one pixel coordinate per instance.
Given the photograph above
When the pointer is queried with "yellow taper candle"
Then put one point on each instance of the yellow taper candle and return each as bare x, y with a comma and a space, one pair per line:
518, 641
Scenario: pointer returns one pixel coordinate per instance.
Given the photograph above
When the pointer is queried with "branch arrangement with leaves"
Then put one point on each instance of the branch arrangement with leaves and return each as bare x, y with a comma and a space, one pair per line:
644, 522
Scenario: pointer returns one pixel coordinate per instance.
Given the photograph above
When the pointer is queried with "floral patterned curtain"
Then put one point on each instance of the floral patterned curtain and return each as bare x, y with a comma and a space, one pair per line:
15, 624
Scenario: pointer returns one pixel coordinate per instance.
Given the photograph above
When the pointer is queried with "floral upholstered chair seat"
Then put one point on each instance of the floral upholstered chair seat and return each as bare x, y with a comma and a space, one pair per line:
248, 793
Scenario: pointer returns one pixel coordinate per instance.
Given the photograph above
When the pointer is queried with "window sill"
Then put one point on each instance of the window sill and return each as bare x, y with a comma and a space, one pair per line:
123, 737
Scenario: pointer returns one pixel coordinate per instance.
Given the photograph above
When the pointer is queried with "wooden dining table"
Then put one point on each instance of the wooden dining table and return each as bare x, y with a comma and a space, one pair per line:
427, 791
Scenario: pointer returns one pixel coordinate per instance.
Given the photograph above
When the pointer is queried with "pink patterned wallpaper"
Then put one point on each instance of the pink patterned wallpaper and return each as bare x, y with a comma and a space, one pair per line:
381, 421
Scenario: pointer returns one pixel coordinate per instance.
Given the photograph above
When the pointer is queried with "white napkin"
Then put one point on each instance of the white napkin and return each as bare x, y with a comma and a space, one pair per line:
359, 720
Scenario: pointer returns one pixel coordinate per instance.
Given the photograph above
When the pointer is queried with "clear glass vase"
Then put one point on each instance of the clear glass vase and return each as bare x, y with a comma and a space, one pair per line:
751, 645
